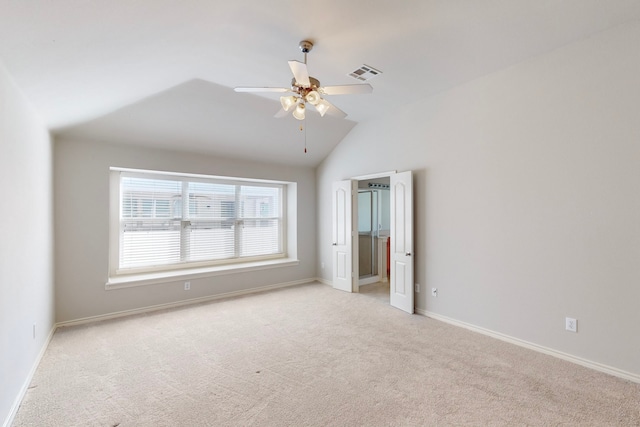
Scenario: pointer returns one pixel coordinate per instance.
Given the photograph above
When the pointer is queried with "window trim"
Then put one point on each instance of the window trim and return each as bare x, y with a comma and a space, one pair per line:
143, 279
144, 276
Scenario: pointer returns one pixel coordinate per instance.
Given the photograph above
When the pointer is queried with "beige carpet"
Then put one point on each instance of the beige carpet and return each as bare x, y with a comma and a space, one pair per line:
309, 355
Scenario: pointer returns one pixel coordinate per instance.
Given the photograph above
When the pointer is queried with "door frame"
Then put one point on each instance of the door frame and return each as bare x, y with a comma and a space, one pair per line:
353, 184
354, 257
410, 286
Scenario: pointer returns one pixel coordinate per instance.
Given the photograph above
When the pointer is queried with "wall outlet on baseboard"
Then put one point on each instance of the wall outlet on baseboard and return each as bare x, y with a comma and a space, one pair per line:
571, 324
187, 286
418, 287
434, 292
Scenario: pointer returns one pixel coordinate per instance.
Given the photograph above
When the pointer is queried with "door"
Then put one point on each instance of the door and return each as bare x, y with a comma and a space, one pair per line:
402, 241
345, 208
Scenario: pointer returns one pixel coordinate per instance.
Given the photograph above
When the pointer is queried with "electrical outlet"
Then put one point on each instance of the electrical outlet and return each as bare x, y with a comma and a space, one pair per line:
418, 287
434, 292
187, 286
34, 331
571, 324
322, 265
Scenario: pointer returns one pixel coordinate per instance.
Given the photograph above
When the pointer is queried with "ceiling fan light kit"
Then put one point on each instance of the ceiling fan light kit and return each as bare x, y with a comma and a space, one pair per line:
313, 97
322, 106
298, 113
305, 88
288, 102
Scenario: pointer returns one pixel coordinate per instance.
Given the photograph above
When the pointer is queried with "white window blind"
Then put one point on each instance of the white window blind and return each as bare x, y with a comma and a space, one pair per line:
174, 222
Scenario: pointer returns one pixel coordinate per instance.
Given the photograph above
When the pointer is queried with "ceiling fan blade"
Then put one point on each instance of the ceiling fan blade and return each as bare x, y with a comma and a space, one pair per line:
261, 89
347, 89
335, 111
300, 73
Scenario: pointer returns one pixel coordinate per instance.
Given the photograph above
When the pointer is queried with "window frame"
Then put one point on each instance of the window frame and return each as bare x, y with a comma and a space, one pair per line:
125, 277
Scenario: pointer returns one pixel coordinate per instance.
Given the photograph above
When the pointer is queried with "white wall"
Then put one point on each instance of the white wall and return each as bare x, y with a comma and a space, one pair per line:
26, 232
527, 197
82, 227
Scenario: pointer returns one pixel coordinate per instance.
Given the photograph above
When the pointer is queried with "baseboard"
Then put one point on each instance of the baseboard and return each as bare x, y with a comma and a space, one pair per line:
323, 281
369, 281
25, 386
531, 346
191, 301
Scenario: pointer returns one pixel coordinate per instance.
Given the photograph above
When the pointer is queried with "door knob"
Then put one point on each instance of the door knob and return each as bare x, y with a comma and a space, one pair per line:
408, 253
335, 244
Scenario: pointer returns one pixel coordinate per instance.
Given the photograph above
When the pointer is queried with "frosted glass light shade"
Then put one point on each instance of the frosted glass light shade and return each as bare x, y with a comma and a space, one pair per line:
322, 107
313, 97
288, 102
298, 113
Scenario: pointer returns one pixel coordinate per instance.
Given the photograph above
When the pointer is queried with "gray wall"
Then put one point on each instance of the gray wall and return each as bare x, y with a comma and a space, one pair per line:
527, 197
26, 233
82, 227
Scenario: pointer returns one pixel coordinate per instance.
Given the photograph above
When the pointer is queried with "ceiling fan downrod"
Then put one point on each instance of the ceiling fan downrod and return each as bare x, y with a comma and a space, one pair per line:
305, 46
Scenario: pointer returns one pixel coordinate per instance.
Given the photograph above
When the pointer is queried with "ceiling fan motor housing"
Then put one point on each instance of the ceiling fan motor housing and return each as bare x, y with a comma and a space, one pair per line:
295, 87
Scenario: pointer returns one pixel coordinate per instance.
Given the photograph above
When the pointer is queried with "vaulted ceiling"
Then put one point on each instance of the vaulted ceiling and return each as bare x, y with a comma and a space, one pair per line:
161, 72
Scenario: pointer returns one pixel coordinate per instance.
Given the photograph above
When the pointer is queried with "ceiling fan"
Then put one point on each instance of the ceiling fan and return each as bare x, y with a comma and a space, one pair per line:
306, 89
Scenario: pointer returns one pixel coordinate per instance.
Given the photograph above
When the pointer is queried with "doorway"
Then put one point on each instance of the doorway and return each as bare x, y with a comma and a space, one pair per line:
373, 230
345, 255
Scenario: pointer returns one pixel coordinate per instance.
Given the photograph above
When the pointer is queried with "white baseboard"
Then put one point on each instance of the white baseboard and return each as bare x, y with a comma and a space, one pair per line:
369, 281
531, 346
25, 386
180, 303
323, 281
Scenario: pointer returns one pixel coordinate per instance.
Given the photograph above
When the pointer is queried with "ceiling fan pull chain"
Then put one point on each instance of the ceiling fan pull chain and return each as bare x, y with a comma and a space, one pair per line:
305, 135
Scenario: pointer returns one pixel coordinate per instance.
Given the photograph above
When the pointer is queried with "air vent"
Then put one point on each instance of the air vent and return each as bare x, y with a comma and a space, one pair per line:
365, 73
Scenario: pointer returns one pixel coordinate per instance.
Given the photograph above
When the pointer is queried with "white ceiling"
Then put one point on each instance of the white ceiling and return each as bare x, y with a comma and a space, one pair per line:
161, 72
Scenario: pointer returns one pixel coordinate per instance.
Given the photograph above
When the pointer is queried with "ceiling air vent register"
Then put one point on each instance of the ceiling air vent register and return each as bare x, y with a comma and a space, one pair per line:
364, 73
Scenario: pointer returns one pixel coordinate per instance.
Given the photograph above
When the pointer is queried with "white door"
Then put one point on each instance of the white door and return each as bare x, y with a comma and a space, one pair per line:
402, 241
345, 270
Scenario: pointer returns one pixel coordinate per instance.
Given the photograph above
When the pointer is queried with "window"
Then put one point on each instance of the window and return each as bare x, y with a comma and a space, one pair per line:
167, 221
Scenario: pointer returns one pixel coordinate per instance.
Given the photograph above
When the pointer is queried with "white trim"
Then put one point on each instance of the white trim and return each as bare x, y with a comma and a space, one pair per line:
374, 175
324, 281
191, 301
369, 280
13, 411
147, 172
133, 280
535, 347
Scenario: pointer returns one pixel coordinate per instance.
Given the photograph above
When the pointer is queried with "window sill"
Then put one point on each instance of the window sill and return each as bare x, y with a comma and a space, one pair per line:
132, 280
